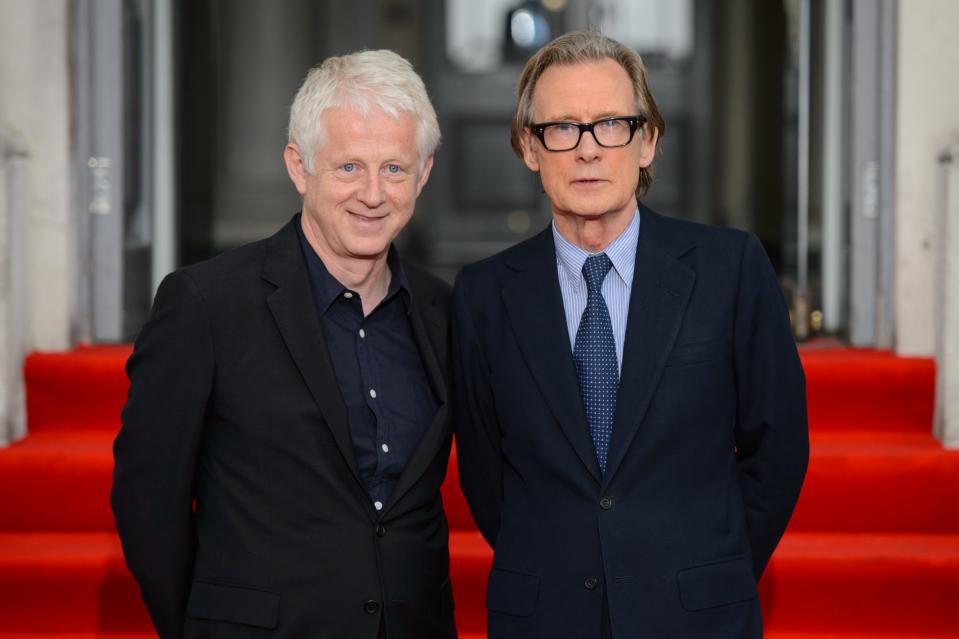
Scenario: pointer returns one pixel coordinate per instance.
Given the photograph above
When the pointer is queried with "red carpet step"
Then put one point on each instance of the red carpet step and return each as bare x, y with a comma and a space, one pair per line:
68, 473
862, 481
80, 390
64, 582
873, 549
868, 390
881, 584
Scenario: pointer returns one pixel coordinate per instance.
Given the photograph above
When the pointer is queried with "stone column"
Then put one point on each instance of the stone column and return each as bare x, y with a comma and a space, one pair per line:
927, 114
13, 289
947, 335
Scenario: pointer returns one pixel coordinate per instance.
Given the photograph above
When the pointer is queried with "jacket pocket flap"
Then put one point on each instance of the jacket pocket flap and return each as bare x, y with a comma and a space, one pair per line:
717, 584
511, 592
238, 604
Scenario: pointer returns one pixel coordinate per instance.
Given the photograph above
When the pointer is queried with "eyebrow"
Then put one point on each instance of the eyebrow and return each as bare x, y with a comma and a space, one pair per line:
602, 116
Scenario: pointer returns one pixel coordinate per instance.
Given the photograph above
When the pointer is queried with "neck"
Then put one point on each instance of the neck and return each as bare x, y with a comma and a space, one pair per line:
368, 276
593, 234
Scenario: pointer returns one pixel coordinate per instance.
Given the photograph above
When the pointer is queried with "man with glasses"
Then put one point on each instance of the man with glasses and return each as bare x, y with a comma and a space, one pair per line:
630, 406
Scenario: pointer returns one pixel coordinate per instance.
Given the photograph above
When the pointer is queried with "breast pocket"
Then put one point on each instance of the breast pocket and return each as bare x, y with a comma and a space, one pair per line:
700, 352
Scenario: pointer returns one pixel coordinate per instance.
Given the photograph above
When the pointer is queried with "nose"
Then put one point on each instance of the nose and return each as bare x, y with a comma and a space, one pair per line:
588, 148
371, 191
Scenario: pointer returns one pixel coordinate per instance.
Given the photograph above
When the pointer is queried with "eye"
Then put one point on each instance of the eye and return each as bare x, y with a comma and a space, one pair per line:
566, 127
349, 167
393, 168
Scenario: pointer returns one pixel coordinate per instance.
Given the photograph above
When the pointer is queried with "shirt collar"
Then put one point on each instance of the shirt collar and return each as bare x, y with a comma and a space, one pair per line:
621, 252
326, 288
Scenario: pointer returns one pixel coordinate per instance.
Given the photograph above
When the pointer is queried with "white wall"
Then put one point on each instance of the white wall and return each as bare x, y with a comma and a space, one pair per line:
37, 299
35, 104
927, 120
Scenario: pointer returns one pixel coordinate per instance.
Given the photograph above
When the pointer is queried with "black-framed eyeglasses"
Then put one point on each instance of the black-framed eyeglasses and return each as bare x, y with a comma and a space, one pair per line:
608, 132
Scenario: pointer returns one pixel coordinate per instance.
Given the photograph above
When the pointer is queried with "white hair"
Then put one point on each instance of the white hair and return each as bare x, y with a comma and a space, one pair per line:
363, 80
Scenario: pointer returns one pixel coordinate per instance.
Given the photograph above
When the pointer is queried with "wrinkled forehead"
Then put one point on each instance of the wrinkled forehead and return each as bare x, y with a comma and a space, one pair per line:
593, 89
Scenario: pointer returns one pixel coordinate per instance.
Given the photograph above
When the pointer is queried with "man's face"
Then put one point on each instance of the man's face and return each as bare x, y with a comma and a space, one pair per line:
366, 180
589, 181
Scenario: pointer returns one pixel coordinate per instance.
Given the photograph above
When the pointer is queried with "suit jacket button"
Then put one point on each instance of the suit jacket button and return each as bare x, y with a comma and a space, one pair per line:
371, 607
380, 530
606, 503
591, 583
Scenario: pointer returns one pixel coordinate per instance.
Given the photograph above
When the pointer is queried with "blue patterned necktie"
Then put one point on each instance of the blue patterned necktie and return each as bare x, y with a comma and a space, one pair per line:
595, 357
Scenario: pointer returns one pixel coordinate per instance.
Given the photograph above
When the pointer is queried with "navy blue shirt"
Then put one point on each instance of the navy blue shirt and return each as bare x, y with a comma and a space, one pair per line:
379, 371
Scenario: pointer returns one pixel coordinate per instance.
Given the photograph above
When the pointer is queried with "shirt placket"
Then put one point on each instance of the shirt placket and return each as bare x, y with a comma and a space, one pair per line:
366, 339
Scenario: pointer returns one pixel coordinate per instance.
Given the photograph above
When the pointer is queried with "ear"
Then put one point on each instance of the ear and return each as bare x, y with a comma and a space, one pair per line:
529, 152
295, 167
647, 151
424, 175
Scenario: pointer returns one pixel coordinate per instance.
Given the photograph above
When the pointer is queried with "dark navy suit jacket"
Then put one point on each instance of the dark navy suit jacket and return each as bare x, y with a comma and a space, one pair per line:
707, 457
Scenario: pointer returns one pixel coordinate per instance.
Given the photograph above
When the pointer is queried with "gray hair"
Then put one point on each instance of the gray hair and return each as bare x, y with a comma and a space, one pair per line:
363, 80
576, 48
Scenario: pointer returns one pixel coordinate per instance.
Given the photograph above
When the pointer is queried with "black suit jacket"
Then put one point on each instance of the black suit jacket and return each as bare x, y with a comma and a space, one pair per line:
233, 406
707, 456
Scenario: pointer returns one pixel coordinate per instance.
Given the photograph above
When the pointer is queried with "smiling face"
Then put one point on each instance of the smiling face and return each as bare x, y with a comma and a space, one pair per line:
367, 176
590, 181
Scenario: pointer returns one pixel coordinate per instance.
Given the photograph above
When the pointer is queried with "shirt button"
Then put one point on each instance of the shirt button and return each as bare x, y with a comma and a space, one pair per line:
606, 503
348, 295
371, 607
591, 583
378, 505
380, 530
373, 393
362, 333
385, 448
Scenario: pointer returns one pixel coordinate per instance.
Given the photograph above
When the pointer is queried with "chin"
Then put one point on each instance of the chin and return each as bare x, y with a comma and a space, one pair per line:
369, 250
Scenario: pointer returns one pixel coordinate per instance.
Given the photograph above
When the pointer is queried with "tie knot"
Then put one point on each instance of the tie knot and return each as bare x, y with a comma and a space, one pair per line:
595, 270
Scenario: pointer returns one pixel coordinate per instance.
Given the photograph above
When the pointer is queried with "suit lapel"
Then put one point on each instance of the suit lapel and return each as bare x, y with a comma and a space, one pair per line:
291, 304
535, 307
429, 331
660, 293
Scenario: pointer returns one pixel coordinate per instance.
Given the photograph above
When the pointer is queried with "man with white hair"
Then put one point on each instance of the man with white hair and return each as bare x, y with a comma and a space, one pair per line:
287, 427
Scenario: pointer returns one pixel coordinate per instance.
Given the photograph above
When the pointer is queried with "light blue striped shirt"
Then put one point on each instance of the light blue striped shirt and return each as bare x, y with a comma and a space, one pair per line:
616, 287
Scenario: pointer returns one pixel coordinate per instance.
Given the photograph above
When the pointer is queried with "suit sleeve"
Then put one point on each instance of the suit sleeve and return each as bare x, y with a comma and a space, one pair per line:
478, 452
772, 439
171, 373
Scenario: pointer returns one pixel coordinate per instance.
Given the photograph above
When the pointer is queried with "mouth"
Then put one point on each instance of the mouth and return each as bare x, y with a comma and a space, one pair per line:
587, 182
367, 218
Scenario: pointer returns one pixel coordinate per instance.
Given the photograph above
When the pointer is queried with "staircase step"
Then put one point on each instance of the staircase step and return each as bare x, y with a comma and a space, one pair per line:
877, 584
65, 582
854, 481
846, 388
878, 482
868, 389
57, 481
77, 390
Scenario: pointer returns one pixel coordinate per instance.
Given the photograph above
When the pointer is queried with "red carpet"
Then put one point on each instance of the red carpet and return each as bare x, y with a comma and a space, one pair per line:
873, 550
